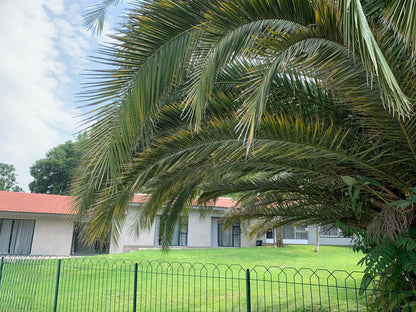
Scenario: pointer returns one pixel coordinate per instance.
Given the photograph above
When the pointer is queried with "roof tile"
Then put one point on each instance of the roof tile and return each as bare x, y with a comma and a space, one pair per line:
59, 204
35, 203
221, 202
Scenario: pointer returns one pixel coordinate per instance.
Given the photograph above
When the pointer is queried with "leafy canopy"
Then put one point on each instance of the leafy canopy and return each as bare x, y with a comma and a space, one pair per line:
53, 174
8, 178
304, 110
274, 100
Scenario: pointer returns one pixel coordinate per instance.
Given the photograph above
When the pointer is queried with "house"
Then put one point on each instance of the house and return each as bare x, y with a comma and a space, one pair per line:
306, 235
192, 231
36, 224
43, 224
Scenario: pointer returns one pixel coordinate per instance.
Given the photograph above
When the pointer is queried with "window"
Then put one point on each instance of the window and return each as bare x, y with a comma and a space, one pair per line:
80, 247
270, 237
16, 236
295, 232
330, 231
180, 234
301, 232
230, 236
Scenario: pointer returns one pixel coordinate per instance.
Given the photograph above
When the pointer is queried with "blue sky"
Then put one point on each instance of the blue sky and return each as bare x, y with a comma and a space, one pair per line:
43, 53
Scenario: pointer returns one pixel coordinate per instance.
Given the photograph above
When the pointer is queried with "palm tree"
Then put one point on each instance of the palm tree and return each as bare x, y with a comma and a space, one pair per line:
304, 109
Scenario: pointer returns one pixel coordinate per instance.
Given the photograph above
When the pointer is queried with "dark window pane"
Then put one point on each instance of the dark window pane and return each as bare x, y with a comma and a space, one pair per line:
288, 232
180, 233
230, 236
16, 236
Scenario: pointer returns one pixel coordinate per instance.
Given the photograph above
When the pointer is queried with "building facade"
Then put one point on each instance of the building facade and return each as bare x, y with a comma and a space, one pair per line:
42, 224
192, 231
35, 224
307, 235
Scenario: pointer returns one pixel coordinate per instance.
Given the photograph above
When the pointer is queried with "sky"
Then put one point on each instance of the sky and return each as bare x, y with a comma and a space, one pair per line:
44, 50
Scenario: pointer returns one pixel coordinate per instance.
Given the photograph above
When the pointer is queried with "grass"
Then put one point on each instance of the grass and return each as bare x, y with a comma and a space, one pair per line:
297, 256
188, 280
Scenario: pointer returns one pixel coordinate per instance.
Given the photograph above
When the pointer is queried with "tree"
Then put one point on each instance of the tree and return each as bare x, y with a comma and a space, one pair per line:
304, 108
317, 238
8, 178
53, 174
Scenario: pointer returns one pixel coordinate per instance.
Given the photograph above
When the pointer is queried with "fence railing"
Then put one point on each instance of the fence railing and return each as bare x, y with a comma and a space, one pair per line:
91, 284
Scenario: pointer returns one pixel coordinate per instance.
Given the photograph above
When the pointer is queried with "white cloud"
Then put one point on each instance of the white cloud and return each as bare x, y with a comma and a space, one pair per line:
57, 7
43, 49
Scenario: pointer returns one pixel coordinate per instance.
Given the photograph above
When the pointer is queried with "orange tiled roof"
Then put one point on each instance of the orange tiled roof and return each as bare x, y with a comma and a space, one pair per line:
35, 203
59, 204
221, 202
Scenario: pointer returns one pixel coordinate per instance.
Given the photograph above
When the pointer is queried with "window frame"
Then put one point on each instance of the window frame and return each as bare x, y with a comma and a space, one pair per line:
95, 250
12, 231
303, 230
296, 231
181, 228
327, 233
234, 232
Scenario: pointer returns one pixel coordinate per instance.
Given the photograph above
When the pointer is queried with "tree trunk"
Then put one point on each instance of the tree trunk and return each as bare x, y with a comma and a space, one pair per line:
317, 238
278, 234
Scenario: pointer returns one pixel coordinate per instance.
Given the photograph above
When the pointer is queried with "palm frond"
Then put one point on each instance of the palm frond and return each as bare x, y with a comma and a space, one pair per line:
358, 35
304, 81
400, 16
231, 31
94, 17
143, 71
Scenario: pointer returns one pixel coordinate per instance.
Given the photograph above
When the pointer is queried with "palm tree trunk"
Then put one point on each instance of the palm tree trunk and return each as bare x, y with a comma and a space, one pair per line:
278, 237
317, 238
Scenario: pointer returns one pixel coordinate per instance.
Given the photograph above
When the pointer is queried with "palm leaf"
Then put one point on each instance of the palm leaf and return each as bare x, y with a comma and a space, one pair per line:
357, 32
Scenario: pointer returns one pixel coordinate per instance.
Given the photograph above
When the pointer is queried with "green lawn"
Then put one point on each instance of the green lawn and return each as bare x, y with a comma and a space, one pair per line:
298, 256
292, 278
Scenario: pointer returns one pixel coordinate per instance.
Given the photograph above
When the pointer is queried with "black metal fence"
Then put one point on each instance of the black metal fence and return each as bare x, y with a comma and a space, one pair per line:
91, 284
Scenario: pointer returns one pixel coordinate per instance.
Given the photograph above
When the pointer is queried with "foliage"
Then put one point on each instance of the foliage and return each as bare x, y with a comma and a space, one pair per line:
95, 15
297, 256
8, 178
53, 174
295, 106
187, 280
390, 263
390, 267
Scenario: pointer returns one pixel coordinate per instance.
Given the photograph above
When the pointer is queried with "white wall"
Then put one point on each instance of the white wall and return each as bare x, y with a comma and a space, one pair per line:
52, 234
199, 233
52, 237
199, 230
245, 240
128, 239
334, 241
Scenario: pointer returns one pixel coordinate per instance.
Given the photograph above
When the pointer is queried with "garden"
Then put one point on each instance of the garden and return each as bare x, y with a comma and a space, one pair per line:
192, 280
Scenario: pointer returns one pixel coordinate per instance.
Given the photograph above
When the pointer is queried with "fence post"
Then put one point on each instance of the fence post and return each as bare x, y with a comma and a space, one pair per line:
135, 287
58, 274
248, 290
1, 268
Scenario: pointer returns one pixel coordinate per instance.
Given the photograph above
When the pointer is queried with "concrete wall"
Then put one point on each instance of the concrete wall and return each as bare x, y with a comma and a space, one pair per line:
52, 234
245, 240
334, 241
128, 240
52, 237
200, 233
199, 229
330, 241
